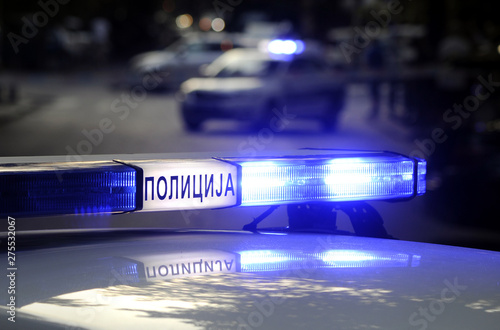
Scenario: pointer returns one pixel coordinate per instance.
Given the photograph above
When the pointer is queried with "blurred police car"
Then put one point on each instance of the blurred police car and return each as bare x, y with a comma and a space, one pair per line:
183, 59
304, 275
253, 84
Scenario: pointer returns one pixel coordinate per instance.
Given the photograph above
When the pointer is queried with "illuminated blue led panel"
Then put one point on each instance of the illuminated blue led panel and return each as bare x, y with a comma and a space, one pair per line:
278, 260
339, 179
44, 190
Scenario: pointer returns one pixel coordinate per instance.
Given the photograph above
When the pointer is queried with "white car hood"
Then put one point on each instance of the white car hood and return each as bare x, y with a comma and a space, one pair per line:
404, 285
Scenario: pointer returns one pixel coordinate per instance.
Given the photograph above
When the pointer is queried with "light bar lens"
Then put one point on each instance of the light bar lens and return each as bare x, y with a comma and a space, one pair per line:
96, 188
340, 179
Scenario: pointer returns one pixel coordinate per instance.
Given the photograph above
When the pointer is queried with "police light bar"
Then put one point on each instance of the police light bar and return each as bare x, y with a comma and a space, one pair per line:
285, 47
123, 184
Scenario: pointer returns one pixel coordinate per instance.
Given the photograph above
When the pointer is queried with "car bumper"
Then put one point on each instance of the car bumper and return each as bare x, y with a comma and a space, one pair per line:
221, 110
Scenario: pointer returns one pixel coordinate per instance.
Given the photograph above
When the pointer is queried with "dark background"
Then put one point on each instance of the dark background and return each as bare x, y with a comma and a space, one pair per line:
138, 26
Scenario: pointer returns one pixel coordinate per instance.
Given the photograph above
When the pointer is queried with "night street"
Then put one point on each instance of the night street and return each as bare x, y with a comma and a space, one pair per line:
59, 112
80, 113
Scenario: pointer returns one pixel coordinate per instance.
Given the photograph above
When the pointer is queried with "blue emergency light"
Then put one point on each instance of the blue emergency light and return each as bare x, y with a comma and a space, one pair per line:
285, 47
123, 184
66, 188
280, 181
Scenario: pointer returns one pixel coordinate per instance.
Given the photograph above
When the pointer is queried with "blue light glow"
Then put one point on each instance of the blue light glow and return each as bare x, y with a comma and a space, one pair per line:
264, 256
339, 179
359, 258
276, 260
99, 189
268, 260
300, 46
286, 47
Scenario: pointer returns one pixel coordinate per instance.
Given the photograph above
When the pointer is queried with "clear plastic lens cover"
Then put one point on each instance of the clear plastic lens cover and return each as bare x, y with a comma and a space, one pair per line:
385, 176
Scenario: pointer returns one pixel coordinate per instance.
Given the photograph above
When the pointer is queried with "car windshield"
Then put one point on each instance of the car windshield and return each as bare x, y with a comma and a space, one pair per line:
249, 68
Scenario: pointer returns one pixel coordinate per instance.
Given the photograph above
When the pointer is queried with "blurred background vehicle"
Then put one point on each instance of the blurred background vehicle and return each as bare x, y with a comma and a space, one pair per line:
182, 59
259, 84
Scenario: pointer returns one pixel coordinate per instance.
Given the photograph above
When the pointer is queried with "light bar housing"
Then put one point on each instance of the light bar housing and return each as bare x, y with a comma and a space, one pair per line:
128, 183
67, 188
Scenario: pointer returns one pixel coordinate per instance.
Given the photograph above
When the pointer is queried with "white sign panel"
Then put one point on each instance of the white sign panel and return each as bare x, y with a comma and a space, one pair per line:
187, 184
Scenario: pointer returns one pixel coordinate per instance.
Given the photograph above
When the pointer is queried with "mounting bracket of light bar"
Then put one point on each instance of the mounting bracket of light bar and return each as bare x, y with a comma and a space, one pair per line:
124, 184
